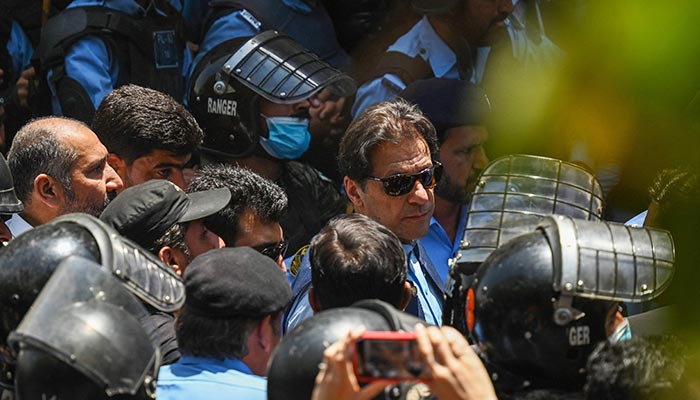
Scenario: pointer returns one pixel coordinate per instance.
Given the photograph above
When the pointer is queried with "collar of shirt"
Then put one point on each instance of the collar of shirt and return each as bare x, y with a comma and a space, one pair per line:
422, 39
18, 225
216, 365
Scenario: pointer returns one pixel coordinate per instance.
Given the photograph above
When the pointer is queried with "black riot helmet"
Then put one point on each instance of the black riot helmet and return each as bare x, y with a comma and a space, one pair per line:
82, 339
229, 81
539, 304
294, 365
9, 203
512, 196
29, 261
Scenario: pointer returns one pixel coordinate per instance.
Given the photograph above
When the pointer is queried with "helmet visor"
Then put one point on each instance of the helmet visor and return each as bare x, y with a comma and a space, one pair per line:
282, 71
609, 261
513, 195
85, 318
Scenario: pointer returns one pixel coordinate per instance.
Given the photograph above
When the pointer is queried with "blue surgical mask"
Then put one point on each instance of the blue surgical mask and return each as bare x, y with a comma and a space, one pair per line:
288, 138
622, 332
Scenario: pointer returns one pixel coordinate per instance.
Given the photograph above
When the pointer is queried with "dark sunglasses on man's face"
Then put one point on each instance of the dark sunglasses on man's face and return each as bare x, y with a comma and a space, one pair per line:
274, 251
400, 184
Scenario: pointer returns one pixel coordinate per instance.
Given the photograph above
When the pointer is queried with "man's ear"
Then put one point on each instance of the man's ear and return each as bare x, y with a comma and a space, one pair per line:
174, 258
355, 193
264, 334
49, 190
407, 293
313, 301
118, 164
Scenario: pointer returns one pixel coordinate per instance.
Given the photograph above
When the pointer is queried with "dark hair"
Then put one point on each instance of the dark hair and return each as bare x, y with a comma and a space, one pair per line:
675, 189
249, 192
218, 338
174, 237
640, 368
36, 150
355, 258
392, 121
132, 121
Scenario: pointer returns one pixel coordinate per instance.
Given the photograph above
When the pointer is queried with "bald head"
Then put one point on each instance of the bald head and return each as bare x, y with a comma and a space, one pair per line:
62, 161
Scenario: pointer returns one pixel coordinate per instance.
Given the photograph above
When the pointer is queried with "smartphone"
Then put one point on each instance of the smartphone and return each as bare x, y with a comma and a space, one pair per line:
388, 355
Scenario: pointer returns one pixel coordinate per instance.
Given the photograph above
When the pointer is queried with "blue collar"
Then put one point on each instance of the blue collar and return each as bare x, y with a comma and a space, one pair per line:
216, 365
438, 54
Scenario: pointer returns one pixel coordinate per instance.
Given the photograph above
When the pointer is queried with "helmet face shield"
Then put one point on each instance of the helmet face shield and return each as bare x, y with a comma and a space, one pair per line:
607, 261
515, 193
279, 69
86, 319
142, 273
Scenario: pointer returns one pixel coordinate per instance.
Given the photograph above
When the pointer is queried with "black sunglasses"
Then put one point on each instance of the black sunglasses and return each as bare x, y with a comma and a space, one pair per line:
273, 251
400, 184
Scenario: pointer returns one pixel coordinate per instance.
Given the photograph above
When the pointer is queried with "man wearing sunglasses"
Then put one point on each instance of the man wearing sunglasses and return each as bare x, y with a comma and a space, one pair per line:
458, 111
388, 160
252, 217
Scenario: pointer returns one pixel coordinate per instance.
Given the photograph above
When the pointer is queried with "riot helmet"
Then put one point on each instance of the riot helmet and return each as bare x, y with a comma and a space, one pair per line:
294, 365
82, 339
512, 196
229, 81
9, 203
29, 261
539, 304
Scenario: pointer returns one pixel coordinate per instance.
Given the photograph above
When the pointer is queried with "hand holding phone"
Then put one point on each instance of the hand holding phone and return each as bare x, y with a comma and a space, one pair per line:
388, 355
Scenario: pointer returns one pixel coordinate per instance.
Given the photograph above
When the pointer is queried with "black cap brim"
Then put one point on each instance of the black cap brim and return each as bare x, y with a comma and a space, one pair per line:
206, 203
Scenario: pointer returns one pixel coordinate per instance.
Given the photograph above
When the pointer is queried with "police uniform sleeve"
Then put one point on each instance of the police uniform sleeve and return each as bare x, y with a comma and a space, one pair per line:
91, 74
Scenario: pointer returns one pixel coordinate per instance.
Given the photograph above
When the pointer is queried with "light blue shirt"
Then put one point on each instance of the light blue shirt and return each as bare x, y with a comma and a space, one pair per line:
638, 220
421, 40
429, 297
234, 25
20, 49
194, 378
89, 61
438, 246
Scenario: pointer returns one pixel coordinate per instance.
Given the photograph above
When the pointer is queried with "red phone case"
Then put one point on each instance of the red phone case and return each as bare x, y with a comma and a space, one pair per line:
379, 335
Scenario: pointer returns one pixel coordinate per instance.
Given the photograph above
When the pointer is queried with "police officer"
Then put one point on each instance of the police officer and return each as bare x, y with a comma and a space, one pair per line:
95, 46
29, 261
443, 44
260, 120
231, 19
83, 340
540, 304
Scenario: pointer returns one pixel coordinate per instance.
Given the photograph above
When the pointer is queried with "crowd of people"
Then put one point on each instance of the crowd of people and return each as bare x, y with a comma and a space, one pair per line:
219, 199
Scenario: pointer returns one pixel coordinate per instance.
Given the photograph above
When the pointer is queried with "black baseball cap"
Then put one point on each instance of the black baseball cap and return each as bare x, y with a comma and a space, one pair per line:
235, 282
143, 213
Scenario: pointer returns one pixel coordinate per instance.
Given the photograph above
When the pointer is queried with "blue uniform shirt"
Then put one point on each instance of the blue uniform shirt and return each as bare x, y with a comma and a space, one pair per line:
427, 284
438, 245
20, 50
427, 287
89, 61
194, 378
421, 40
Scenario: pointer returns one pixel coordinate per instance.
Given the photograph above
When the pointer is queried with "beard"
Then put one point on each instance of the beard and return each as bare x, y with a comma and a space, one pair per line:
453, 193
87, 206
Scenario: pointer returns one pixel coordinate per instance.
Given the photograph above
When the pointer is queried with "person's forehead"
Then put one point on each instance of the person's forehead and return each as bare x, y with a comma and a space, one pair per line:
400, 157
163, 158
83, 141
472, 134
